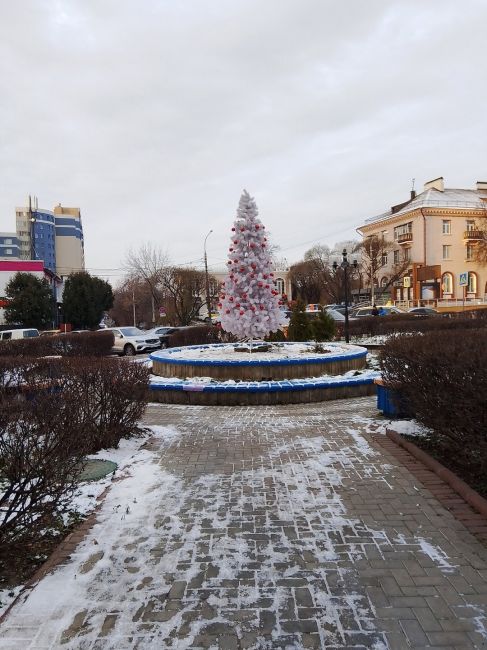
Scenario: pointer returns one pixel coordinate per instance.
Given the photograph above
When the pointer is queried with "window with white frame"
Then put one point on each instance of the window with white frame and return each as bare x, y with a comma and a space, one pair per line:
384, 259
447, 283
472, 283
446, 227
469, 252
407, 254
470, 224
279, 282
396, 257
446, 252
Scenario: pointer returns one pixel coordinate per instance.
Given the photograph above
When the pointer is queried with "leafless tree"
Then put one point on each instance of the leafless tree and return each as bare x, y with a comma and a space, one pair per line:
183, 288
480, 255
148, 263
373, 253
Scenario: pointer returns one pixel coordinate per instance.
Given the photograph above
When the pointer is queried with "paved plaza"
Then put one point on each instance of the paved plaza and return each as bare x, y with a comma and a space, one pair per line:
263, 527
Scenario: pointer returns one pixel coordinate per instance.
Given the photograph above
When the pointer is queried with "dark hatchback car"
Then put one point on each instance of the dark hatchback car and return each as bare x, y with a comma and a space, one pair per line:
423, 311
164, 334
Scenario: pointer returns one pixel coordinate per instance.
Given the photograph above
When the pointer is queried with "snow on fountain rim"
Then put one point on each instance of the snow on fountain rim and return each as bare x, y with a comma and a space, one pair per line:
223, 354
210, 385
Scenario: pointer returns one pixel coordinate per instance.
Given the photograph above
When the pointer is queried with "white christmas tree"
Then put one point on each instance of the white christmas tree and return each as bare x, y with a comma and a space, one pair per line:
249, 303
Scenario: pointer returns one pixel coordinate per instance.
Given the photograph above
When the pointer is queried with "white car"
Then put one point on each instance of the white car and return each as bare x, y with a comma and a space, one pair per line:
130, 340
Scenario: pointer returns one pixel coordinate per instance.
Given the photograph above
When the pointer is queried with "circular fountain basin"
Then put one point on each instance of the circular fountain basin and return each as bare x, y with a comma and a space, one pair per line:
285, 361
217, 375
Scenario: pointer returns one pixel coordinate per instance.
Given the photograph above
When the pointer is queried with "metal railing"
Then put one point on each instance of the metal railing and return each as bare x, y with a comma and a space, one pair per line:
405, 237
473, 234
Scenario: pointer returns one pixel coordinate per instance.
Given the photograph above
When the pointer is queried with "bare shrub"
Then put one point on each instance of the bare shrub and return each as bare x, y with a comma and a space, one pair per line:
443, 377
52, 413
113, 395
397, 323
72, 345
197, 335
41, 455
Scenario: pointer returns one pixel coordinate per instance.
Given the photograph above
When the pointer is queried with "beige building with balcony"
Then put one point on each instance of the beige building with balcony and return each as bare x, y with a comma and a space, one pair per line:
437, 232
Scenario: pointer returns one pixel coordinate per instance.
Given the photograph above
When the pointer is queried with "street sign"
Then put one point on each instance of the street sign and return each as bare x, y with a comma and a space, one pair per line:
464, 279
406, 281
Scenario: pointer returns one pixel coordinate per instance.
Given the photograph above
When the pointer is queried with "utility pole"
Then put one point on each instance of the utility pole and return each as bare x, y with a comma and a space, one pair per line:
207, 279
133, 304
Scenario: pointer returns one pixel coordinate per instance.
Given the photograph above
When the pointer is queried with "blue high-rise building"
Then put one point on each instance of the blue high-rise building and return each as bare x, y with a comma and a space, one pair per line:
9, 245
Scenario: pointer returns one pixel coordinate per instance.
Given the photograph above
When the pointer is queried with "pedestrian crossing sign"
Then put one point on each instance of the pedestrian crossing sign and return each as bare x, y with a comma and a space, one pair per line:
464, 279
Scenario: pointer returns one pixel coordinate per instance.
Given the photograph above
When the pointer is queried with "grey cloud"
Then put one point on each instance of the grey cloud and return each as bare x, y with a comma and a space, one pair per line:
153, 116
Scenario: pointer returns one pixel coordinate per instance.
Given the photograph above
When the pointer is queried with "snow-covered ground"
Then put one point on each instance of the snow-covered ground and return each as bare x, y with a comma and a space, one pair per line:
233, 553
129, 452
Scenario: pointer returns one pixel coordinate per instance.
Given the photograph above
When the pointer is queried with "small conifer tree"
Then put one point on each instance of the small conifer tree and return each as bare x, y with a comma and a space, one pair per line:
299, 325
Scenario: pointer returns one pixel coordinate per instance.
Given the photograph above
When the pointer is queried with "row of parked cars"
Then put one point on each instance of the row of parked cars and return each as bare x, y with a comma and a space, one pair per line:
127, 340
337, 312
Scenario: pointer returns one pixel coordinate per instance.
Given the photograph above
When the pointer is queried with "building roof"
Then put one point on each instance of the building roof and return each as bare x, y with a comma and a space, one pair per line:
433, 198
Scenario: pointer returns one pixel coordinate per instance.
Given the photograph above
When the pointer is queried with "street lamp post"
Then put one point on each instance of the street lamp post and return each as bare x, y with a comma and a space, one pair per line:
345, 265
207, 279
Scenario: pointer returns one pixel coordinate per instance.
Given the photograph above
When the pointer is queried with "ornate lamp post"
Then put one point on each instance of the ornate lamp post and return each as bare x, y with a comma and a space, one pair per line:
207, 280
345, 265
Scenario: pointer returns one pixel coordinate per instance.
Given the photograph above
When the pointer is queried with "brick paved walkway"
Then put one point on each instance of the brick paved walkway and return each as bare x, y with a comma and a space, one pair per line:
265, 527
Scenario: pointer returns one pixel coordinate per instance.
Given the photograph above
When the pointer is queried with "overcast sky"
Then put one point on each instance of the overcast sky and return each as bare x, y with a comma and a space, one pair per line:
152, 116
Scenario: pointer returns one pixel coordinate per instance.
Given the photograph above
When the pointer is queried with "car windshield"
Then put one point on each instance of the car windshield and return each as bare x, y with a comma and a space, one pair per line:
131, 331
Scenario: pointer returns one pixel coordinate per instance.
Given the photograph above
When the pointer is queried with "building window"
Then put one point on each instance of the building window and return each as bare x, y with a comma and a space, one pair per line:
407, 254
446, 252
402, 230
447, 283
396, 257
383, 282
384, 259
279, 282
470, 224
8, 251
446, 229
472, 283
469, 252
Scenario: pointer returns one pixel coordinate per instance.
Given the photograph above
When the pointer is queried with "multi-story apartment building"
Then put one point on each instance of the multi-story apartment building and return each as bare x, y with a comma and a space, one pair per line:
9, 246
433, 237
70, 251
56, 237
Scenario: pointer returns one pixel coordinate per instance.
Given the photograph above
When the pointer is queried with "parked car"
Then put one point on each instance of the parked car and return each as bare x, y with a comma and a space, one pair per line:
163, 333
130, 340
25, 333
424, 311
337, 316
361, 312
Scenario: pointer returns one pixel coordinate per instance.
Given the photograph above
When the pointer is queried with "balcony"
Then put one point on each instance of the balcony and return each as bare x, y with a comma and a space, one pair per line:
473, 235
405, 238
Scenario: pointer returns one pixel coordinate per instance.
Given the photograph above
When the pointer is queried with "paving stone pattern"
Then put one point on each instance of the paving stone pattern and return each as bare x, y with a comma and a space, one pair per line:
284, 527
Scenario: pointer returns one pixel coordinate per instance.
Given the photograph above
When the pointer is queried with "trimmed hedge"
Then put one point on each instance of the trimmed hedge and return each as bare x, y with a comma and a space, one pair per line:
398, 323
442, 376
84, 344
197, 335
